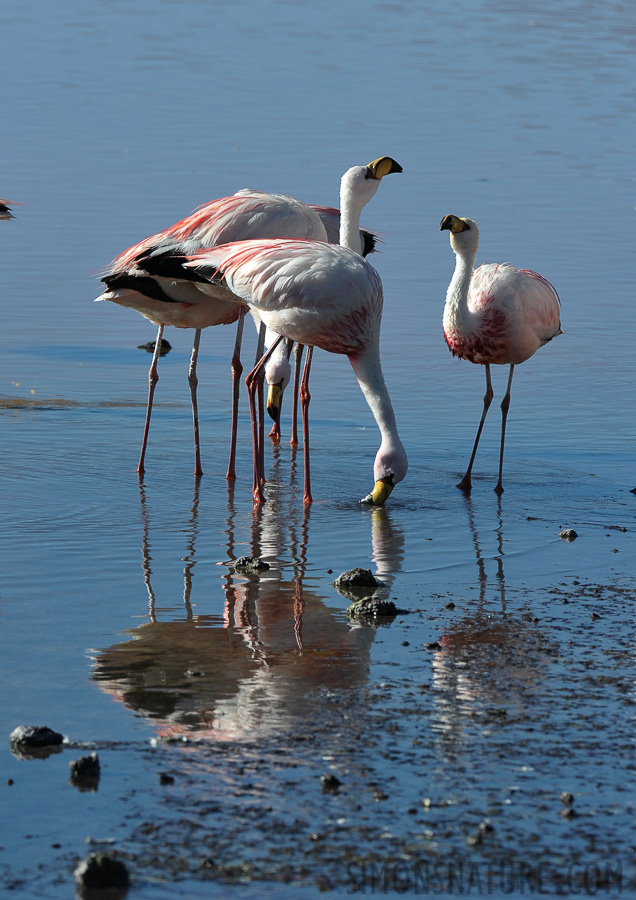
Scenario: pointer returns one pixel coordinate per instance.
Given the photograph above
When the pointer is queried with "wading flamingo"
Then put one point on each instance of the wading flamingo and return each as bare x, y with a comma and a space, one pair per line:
149, 278
5, 209
325, 296
495, 315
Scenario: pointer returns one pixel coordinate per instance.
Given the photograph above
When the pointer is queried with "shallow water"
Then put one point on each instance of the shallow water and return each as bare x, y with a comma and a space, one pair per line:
123, 618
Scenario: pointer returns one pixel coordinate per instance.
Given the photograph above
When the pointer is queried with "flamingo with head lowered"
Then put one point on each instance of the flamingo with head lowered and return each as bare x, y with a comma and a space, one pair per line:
495, 315
149, 277
321, 295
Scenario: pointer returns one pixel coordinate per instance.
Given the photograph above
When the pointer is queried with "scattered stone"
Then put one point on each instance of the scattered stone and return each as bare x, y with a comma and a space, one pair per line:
568, 812
193, 673
35, 736
85, 773
99, 871
433, 645
35, 742
568, 534
330, 783
166, 347
374, 608
85, 766
250, 564
567, 799
166, 778
450, 605
357, 580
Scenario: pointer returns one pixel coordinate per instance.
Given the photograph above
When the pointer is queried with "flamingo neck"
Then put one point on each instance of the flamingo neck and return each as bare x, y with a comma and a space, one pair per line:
456, 307
350, 211
391, 457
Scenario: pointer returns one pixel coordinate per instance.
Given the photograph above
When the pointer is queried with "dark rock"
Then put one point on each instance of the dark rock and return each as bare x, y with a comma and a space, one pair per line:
100, 871
374, 608
166, 347
568, 534
433, 645
250, 564
35, 742
35, 736
85, 766
330, 783
85, 773
166, 778
356, 579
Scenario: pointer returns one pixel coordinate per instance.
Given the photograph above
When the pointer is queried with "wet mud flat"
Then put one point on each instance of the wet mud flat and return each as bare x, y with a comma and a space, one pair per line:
491, 752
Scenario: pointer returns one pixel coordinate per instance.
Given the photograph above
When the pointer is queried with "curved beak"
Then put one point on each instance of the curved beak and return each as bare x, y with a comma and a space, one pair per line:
274, 399
385, 165
380, 493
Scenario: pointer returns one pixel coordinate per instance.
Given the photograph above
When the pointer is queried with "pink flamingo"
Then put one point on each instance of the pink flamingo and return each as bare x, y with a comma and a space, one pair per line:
494, 315
320, 295
149, 278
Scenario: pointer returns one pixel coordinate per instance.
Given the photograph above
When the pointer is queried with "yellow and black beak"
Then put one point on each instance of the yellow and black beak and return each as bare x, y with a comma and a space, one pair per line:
380, 493
454, 224
274, 399
382, 166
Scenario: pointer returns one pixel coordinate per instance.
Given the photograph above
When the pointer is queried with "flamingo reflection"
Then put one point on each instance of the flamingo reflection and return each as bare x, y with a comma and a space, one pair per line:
252, 670
491, 660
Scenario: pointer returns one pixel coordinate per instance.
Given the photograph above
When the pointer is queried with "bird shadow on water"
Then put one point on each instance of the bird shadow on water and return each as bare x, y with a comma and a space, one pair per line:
249, 670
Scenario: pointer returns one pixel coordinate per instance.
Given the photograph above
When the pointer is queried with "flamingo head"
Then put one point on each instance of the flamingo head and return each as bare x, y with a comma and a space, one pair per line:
464, 234
390, 468
277, 375
361, 182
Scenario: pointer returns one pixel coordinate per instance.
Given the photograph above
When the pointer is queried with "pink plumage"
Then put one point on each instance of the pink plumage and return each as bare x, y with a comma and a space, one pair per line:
494, 315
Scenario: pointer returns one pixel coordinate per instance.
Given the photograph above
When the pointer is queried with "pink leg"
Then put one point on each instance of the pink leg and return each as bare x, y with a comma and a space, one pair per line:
465, 484
251, 383
505, 406
237, 369
153, 378
193, 381
298, 355
305, 397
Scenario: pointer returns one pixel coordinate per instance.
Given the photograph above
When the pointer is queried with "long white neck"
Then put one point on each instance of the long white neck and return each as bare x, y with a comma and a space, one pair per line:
456, 307
391, 457
351, 206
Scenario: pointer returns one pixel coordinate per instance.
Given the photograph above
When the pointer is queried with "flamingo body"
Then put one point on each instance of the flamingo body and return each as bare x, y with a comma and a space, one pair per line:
495, 315
321, 295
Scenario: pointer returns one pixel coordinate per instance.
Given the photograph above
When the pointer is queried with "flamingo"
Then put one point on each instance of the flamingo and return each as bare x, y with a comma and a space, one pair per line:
5, 209
149, 278
495, 315
321, 295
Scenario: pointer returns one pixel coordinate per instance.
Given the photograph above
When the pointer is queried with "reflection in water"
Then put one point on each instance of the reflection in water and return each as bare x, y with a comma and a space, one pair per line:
252, 671
491, 661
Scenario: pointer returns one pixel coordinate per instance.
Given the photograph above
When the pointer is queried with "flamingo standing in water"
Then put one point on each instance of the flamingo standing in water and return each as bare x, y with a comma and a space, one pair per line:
495, 315
5, 209
321, 295
149, 278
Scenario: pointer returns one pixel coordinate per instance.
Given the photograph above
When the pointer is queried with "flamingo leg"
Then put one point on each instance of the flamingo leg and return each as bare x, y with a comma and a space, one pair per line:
465, 484
298, 355
251, 382
305, 397
237, 370
505, 406
193, 381
260, 347
153, 378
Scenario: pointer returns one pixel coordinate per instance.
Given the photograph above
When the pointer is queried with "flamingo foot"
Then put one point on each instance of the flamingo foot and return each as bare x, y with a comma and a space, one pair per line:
465, 484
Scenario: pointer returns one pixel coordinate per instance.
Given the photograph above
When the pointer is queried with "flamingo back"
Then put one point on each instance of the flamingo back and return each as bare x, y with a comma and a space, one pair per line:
309, 291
